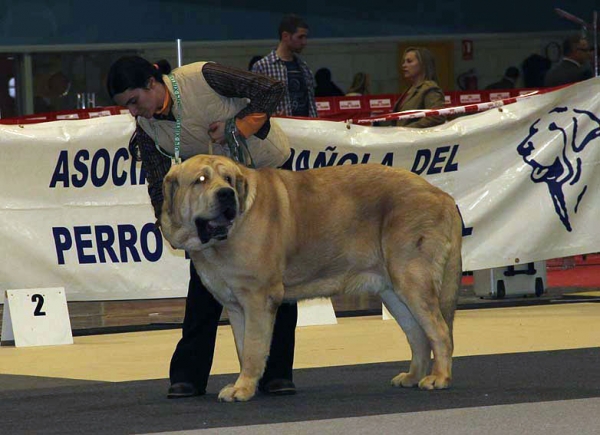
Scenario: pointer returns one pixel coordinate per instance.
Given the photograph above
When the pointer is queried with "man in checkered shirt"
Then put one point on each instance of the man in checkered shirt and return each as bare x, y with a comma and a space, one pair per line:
285, 65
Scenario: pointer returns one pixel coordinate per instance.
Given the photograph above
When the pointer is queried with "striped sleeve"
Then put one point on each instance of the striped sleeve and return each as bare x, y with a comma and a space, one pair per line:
263, 92
154, 165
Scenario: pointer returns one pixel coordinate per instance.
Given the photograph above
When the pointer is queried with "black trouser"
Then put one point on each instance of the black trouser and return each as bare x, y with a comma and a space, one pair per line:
193, 356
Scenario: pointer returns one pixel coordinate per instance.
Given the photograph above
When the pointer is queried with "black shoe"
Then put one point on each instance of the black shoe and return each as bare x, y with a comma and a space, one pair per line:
278, 387
183, 389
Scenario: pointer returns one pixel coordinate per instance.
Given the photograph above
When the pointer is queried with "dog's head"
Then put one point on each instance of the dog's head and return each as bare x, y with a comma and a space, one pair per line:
203, 197
556, 155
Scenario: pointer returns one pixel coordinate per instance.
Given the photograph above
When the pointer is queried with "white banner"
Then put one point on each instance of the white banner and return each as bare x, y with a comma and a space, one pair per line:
75, 213
74, 209
523, 175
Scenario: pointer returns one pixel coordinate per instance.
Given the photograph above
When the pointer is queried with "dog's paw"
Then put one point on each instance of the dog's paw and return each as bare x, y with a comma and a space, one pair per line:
405, 380
433, 382
231, 393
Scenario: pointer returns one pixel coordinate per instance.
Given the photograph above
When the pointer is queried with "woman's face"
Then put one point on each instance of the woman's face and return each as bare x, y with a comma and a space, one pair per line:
143, 102
411, 67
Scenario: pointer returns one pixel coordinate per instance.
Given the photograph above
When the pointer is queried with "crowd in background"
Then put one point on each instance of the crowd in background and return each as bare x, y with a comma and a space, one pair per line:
574, 65
424, 92
569, 62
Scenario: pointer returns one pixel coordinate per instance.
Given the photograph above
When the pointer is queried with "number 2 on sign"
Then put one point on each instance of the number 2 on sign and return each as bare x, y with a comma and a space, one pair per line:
40, 303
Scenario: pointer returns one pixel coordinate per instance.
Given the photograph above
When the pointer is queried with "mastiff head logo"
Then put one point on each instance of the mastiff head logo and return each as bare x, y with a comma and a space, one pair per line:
554, 148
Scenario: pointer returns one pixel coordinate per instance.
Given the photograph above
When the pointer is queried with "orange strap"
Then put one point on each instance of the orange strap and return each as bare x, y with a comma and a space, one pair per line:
165, 105
250, 124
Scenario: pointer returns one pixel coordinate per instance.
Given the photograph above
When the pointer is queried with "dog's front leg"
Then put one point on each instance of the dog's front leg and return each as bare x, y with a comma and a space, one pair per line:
237, 322
259, 318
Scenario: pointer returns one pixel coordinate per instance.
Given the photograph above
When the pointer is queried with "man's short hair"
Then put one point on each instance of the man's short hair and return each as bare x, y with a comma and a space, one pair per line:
290, 23
570, 44
512, 72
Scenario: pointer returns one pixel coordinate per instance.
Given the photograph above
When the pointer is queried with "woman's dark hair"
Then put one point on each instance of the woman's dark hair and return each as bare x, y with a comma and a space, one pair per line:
534, 69
323, 76
131, 72
253, 61
325, 87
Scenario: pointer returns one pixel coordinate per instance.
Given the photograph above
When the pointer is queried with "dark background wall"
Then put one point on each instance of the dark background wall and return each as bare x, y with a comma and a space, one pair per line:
33, 22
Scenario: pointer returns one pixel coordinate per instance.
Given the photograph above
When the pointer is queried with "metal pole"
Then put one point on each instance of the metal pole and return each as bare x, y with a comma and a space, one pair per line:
571, 18
179, 56
27, 84
595, 24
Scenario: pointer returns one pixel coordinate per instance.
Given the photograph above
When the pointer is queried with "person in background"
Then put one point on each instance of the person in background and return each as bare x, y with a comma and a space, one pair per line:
253, 60
511, 75
419, 70
360, 85
535, 67
49, 90
219, 105
325, 86
285, 65
575, 65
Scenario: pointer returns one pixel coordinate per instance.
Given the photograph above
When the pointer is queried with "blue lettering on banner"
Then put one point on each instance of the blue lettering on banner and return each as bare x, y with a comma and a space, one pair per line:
437, 162
104, 243
441, 160
81, 169
466, 231
330, 157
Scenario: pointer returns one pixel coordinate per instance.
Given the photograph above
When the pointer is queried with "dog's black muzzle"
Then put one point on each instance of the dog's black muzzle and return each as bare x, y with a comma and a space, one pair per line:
218, 226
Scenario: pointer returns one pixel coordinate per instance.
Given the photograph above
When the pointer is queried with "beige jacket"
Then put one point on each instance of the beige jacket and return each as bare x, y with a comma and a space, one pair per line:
427, 95
200, 107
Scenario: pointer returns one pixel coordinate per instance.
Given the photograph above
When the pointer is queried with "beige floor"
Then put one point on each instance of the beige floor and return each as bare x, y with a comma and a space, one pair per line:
358, 340
589, 294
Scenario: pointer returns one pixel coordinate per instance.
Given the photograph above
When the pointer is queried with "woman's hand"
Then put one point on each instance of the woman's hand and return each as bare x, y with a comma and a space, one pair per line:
216, 131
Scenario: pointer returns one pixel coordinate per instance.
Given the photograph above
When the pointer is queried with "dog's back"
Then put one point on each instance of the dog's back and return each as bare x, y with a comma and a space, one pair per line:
349, 224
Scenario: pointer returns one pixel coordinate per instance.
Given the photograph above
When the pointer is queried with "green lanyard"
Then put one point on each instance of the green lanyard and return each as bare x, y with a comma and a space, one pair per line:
176, 159
238, 146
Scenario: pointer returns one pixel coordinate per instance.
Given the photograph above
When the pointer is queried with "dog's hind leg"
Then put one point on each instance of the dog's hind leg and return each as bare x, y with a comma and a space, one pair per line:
419, 344
414, 282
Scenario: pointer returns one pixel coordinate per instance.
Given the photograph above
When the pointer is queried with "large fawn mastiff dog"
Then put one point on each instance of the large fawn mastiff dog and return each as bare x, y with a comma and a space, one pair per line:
259, 237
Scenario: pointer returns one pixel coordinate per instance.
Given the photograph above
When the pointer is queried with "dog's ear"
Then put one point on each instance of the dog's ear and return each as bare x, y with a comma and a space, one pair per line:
241, 187
170, 186
586, 129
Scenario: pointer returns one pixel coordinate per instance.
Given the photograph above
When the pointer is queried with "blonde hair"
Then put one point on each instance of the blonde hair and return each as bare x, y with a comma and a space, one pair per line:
360, 84
426, 60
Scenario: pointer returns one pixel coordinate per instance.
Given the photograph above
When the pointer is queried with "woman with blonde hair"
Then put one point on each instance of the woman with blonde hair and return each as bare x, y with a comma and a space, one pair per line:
418, 66
360, 85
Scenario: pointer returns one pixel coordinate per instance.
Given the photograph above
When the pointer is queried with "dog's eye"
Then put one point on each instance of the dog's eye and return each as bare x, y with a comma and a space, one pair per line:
201, 180
228, 179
